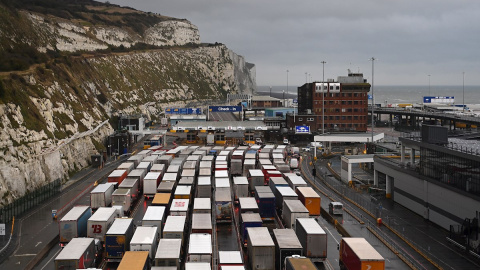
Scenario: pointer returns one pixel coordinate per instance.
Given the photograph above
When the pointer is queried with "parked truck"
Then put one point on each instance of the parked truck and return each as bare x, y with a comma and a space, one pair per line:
169, 253
78, 254
248, 220
150, 184
240, 187
313, 238
210, 139
287, 244
200, 248
310, 199
299, 263
122, 198
293, 209
100, 222
135, 260
74, 224
145, 239
223, 205
117, 239
236, 167
132, 184
357, 254
261, 249
117, 176
202, 223
174, 227
101, 196
256, 178
154, 216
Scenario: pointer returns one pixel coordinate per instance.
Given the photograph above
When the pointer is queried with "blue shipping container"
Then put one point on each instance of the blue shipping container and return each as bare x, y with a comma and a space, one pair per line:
249, 220
266, 204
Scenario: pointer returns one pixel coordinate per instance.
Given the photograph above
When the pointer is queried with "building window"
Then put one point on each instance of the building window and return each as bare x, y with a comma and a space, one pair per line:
338, 87
343, 110
310, 119
300, 119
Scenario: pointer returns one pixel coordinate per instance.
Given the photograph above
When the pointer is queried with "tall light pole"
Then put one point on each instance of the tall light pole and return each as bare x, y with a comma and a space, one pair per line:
270, 91
284, 98
463, 91
429, 84
323, 96
287, 83
373, 97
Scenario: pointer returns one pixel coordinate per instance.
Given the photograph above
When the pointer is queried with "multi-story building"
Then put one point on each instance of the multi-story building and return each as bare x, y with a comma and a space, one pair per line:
345, 104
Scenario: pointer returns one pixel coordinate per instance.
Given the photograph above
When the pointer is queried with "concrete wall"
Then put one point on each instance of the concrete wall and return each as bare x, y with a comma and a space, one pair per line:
439, 204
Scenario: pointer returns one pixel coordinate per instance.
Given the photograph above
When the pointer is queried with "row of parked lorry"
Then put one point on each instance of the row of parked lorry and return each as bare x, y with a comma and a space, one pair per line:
194, 190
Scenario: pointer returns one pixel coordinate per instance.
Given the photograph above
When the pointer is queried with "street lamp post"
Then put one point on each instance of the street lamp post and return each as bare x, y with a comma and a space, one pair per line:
463, 91
287, 84
323, 97
429, 84
373, 97
284, 98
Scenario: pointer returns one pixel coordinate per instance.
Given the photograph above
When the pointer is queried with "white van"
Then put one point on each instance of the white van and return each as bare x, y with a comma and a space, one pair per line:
293, 163
335, 208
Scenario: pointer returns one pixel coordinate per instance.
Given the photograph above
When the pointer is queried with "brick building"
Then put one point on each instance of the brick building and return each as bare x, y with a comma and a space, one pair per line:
345, 104
266, 102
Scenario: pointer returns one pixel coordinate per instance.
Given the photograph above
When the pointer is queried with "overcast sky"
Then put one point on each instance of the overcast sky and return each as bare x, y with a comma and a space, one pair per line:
411, 39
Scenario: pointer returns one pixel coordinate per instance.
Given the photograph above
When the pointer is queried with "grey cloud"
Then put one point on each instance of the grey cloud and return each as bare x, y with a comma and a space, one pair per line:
410, 38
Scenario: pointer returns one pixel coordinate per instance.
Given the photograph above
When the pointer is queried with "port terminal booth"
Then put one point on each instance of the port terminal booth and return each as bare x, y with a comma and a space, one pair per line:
221, 137
346, 168
328, 139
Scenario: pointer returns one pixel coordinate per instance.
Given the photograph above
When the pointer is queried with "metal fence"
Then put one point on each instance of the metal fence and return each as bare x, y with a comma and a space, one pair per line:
28, 201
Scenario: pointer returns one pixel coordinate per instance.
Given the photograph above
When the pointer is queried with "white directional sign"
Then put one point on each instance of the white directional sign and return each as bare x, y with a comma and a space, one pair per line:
2, 229
302, 129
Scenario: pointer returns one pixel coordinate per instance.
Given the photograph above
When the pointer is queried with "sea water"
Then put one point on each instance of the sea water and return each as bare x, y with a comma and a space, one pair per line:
390, 94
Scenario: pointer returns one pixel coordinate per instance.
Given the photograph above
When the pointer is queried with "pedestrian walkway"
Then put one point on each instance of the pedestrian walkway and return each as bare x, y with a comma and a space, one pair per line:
424, 236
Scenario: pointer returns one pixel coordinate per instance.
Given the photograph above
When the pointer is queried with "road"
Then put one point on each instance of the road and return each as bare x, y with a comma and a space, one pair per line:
223, 116
38, 228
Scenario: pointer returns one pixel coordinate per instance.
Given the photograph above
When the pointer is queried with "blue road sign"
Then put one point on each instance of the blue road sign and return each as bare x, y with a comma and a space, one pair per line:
302, 129
183, 111
295, 100
225, 108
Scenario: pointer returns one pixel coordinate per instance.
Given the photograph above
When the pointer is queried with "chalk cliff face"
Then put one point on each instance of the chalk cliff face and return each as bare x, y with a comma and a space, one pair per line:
55, 114
69, 36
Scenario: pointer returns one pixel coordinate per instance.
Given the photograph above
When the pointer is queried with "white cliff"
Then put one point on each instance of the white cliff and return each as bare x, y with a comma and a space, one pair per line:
58, 114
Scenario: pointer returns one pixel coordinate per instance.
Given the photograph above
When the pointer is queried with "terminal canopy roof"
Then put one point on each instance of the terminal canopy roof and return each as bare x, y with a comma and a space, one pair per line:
349, 137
